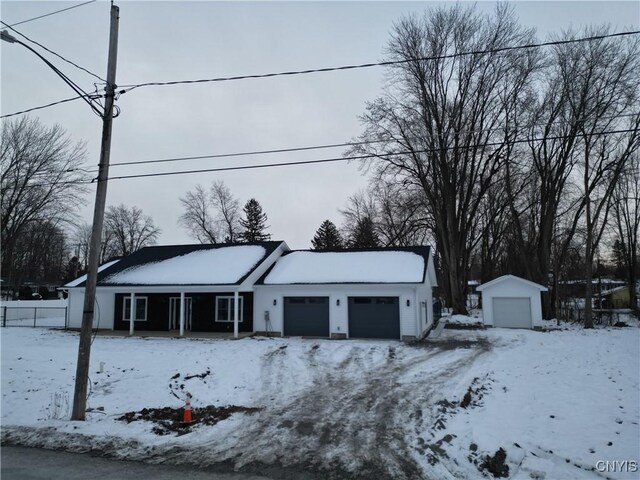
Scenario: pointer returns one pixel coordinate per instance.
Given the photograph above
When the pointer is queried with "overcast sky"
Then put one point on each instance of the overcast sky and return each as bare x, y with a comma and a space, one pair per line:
164, 41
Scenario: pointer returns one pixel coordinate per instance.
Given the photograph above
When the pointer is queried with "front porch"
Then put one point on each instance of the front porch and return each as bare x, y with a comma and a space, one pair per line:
175, 334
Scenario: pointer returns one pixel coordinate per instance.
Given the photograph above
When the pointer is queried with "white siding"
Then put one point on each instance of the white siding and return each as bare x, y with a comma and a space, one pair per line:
425, 302
511, 288
103, 313
338, 314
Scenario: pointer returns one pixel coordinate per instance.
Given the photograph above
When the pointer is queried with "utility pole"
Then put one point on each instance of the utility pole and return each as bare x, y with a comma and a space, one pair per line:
84, 349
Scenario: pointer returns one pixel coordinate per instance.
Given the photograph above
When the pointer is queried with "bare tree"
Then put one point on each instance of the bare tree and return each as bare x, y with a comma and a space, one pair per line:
129, 230
40, 180
211, 216
605, 75
441, 124
81, 238
626, 215
228, 211
398, 212
197, 219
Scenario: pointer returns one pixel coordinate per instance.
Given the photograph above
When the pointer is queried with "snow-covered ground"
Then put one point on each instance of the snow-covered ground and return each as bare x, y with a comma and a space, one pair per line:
556, 402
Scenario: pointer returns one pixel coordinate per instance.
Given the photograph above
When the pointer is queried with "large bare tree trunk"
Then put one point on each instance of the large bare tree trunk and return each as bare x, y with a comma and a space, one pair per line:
440, 123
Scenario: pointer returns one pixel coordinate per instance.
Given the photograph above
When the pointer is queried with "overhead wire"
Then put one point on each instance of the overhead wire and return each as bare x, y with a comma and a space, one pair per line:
129, 87
327, 146
42, 106
84, 95
52, 13
329, 160
54, 53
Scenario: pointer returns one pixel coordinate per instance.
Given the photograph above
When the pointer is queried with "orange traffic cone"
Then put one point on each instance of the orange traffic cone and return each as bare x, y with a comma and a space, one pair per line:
186, 417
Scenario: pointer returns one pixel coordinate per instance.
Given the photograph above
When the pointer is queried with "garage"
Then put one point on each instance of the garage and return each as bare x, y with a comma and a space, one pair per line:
374, 317
512, 312
306, 316
511, 302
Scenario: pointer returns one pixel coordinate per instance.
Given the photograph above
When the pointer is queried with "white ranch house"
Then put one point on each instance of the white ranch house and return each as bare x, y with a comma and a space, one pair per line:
265, 288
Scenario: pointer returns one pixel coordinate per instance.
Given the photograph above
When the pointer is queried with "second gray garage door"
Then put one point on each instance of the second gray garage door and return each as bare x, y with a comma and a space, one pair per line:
306, 316
512, 312
374, 317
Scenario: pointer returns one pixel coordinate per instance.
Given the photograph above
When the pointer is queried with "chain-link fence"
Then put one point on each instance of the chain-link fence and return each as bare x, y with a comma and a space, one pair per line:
34, 316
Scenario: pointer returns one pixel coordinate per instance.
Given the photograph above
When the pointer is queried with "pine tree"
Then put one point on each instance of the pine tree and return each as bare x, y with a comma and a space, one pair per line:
364, 235
327, 237
254, 223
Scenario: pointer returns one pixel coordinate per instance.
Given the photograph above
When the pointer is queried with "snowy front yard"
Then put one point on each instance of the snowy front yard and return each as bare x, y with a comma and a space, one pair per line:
557, 402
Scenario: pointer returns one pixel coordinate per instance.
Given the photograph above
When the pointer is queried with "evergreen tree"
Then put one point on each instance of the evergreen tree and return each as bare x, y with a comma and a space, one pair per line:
73, 270
618, 257
254, 223
364, 235
327, 237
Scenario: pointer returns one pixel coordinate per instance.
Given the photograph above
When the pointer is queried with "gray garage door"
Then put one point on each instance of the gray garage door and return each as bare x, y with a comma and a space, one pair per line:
374, 317
306, 316
512, 312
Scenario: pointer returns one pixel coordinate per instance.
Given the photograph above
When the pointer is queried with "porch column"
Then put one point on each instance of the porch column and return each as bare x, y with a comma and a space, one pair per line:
132, 312
236, 304
182, 314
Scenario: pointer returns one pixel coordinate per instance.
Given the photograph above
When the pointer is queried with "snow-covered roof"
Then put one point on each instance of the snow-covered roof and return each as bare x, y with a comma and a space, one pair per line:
613, 290
220, 266
83, 278
504, 278
594, 281
380, 266
167, 265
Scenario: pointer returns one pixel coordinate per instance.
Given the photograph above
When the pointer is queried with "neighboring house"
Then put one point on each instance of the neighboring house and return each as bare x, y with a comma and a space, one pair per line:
179, 287
618, 297
363, 293
576, 288
511, 302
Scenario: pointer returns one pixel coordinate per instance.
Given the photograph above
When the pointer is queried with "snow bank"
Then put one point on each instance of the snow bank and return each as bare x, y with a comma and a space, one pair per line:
347, 267
217, 266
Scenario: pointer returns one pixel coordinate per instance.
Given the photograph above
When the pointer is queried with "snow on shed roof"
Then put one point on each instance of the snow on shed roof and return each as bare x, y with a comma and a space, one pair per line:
83, 278
503, 278
379, 266
216, 266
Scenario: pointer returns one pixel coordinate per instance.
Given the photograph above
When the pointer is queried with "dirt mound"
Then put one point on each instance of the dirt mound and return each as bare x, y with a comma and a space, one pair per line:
169, 420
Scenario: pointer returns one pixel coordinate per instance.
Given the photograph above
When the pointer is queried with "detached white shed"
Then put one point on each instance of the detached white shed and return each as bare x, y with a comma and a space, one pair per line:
511, 302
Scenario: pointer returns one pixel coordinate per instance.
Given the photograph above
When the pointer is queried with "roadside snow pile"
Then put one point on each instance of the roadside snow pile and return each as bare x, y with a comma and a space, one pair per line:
464, 321
516, 402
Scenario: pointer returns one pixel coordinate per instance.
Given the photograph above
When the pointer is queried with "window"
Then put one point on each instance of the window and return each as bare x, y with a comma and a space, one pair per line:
141, 309
224, 309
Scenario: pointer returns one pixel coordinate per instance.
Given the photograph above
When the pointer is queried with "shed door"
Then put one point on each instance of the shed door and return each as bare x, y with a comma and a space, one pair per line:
374, 317
306, 316
512, 312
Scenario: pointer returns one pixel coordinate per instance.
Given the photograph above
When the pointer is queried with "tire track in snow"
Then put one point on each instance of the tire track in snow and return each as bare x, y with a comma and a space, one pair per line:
356, 417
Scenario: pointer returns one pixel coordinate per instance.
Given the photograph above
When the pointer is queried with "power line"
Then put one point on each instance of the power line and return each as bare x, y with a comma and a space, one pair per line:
327, 146
130, 87
84, 95
359, 157
328, 160
242, 154
42, 106
51, 13
54, 53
